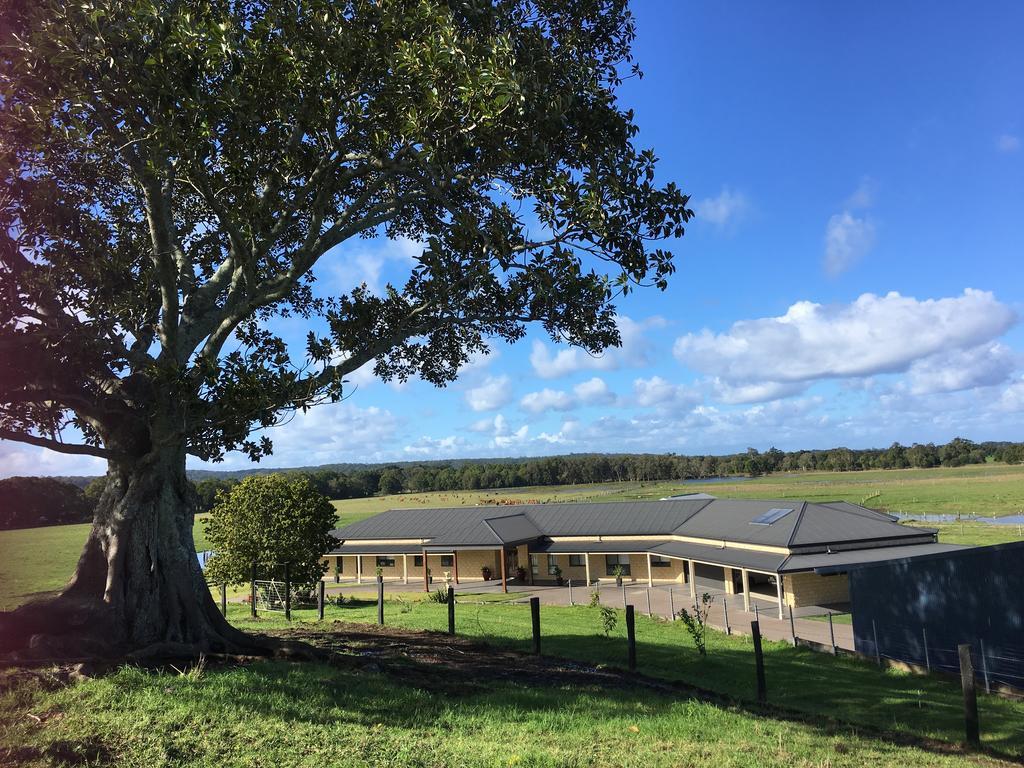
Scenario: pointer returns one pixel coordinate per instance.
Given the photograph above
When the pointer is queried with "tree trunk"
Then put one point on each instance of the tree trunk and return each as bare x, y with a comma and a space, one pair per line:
138, 588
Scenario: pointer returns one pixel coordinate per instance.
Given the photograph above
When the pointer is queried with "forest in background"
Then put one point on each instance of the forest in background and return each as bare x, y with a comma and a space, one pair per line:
28, 502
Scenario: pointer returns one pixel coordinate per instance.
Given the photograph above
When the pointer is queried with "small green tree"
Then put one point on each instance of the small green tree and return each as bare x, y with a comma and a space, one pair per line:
608, 619
270, 520
697, 622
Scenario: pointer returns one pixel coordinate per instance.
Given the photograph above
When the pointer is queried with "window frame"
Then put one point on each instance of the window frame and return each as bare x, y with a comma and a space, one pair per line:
659, 561
610, 564
581, 561
384, 561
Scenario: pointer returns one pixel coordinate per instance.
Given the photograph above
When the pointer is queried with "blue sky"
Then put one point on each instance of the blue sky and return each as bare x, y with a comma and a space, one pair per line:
853, 276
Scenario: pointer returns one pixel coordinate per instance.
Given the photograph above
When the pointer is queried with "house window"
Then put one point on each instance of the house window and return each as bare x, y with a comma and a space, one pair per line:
576, 561
446, 561
552, 565
534, 565
616, 561
657, 561
385, 562
417, 560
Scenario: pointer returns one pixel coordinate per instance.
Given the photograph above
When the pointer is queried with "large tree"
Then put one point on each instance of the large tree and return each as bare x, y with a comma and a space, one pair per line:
173, 171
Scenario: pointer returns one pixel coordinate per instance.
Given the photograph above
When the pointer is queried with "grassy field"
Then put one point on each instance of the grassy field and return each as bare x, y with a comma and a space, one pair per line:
799, 679
282, 715
41, 559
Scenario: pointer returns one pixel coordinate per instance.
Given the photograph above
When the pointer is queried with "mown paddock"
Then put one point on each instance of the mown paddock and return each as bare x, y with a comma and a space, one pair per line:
799, 679
37, 560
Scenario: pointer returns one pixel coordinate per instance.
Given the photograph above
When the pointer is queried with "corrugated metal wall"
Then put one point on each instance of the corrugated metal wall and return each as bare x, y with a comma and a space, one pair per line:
972, 596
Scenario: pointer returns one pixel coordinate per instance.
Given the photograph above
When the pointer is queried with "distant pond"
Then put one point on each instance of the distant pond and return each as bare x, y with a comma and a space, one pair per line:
713, 480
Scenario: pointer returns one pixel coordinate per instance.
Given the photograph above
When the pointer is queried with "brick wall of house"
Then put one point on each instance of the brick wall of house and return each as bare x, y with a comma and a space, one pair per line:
802, 589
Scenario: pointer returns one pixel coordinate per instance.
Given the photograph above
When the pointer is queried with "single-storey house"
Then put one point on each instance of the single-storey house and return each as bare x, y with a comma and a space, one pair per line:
794, 553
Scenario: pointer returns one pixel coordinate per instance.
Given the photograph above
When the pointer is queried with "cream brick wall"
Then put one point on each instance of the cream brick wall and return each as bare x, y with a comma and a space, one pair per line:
471, 562
801, 589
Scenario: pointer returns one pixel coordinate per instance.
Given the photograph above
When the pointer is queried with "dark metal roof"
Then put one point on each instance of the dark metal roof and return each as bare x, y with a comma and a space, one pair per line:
809, 525
726, 556
622, 546
377, 549
838, 562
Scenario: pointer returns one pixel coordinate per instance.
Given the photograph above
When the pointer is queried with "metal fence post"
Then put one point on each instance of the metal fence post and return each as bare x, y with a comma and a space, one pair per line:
984, 668
725, 611
320, 600
287, 592
570, 593
878, 650
756, 616
649, 614
792, 627
927, 658
252, 591
623, 594
832, 634
672, 603
971, 726
631, 638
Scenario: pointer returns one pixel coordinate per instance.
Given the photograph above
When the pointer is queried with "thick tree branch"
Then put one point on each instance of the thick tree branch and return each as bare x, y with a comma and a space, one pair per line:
55, 445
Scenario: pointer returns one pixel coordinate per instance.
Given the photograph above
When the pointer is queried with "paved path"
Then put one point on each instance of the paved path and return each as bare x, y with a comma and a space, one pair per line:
663, 599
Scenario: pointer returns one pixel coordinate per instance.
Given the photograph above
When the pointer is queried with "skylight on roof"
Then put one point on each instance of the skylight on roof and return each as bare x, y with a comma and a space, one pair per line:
771, 516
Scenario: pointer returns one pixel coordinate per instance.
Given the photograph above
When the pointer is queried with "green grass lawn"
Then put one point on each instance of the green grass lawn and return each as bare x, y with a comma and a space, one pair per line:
304, 714
41, 559
800, 679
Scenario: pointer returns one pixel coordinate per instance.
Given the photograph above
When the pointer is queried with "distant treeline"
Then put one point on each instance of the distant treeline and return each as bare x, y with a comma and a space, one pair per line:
28, 501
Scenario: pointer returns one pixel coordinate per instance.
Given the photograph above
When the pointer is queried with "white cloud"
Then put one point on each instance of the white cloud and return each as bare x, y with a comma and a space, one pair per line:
594, 392
656, 391
1007, 142
1012, 398
634, 352
367, 261
722, 210
547, 400
982, 366
17, 459
864, 195
848, 238
430, 447
757, 392
495, 392
873, 335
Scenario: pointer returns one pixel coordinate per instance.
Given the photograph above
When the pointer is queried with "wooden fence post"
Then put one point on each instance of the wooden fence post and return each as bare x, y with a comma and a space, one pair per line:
535, 620
451, 610
631, 637
321, 598
287, 592
224, 599
970, 696
252, 591
380, 600
762, 688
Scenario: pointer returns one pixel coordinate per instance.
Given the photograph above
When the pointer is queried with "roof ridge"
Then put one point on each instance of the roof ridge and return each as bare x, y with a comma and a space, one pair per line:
689, 517
796, 525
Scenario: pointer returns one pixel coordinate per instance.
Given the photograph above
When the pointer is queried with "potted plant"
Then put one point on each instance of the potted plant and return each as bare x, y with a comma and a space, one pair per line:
521, 573
557, 572
486, 572
617, 573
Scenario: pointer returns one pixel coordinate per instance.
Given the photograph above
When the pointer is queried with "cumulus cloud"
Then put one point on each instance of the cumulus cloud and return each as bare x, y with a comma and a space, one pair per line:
547, 400
848, 238
17, 459
551, 363
873, 335
656, 391
594, 392
495, 392
1007, 142
983, 366
430, 447
367, 260
757, 392
723, 209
